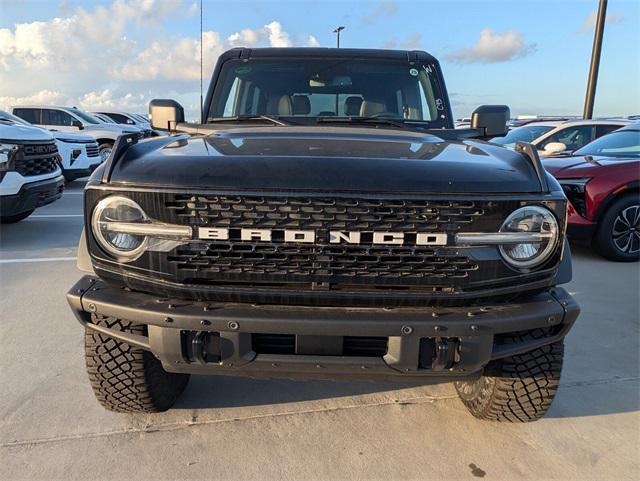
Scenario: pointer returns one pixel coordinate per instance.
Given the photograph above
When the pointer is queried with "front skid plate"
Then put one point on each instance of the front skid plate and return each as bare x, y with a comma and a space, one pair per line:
475, 327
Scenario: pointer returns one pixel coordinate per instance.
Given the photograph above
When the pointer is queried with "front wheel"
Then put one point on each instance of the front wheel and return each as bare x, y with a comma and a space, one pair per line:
105, 150
618, 234
125, 378
516, 389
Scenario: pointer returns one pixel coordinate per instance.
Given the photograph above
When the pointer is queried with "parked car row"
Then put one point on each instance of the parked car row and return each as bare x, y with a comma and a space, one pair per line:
597, 162
41, 147
560, 137
72, 119
602, 182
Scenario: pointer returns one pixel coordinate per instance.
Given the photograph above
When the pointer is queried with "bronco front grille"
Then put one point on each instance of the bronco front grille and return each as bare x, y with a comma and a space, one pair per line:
322, 262
36, 159
233, 268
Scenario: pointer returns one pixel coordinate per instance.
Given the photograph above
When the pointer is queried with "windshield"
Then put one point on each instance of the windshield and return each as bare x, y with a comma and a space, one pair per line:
90, 119
526, 133
7, 116
140, 118
624, 143
305, 89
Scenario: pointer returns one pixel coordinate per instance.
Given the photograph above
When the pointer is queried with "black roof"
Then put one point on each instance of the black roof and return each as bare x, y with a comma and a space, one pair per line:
317, 52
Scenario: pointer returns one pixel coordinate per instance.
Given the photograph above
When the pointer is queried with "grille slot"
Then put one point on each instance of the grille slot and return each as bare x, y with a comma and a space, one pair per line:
352, 346
36, 159
92, 150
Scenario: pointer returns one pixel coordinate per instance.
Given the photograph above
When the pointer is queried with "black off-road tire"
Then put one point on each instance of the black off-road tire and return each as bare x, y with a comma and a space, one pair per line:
12, 219
125, 378
516, 389
603, 240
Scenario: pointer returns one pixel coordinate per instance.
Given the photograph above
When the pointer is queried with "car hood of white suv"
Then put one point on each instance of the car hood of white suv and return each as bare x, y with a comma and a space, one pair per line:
10, 131
71, 136
116, 128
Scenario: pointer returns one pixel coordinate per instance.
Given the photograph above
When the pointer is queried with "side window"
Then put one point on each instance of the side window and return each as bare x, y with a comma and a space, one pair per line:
56, 117
30, 115
605, 129
120, 119
572, 137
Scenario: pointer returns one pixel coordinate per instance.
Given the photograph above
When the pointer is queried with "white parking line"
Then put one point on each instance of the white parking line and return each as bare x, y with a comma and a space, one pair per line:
36, 259
38, 216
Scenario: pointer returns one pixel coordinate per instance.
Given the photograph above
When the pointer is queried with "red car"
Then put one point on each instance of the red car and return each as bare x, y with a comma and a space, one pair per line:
602, 181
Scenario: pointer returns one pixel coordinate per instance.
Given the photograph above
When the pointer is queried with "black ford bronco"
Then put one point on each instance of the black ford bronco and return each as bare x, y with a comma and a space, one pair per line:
325, 220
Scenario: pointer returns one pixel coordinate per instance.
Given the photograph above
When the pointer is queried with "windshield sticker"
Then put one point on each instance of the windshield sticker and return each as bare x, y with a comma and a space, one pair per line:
427, 68
243, 70
413, 72
439, 104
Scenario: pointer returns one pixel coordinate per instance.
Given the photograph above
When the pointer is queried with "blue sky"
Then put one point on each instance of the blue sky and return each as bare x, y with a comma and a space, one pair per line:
532, 55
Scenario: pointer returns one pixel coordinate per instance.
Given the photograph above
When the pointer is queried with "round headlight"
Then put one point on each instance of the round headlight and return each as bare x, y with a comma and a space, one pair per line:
108, 213
531, 220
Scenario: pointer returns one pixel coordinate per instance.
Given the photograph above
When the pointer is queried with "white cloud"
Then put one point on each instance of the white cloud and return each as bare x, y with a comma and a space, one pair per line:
245, 38
589, 23
312, 41
493, 47
117, 55
106, 100
50, 97
272, 33
172, 59
277, 37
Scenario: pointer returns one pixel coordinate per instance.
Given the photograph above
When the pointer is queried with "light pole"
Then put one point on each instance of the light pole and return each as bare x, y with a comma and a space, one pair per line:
595, 60
337, 32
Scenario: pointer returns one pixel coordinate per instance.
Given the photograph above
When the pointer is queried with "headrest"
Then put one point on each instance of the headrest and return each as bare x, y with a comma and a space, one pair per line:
372, 107
352, 105
301, 105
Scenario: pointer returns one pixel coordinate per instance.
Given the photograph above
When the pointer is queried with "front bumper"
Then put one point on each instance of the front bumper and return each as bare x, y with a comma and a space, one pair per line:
76, 173
31, 196
439, 344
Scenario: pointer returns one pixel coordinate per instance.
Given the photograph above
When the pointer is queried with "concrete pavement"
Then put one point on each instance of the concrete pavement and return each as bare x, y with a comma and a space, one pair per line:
228, 428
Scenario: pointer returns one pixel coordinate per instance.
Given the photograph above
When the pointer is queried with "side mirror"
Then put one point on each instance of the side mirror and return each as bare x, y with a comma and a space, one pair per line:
77, 123
553, 148
491, 120
165, 114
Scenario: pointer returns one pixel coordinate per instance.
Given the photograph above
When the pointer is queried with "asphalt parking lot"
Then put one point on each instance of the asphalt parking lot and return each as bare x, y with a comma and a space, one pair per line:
227, 428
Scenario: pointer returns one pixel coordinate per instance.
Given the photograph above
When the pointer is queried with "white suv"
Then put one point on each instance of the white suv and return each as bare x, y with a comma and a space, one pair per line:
80, 154
30, 174
552, 138
71, 119
125, 118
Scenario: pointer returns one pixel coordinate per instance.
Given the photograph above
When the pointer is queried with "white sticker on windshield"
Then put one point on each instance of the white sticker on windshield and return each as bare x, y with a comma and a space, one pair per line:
414, 72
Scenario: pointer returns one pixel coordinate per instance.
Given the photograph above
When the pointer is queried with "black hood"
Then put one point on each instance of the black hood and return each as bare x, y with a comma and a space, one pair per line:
325, 159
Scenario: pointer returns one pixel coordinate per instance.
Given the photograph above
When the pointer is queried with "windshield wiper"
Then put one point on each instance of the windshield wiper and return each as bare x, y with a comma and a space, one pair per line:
363, 120
242, 118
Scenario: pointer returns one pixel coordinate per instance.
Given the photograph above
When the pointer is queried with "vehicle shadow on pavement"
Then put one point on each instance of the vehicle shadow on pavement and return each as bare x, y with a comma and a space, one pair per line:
226, 391
575, 400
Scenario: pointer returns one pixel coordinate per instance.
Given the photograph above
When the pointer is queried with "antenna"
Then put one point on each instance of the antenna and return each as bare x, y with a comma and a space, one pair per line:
201, 102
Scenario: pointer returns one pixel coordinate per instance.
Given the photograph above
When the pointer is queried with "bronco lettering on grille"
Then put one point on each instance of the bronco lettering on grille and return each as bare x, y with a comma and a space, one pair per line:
335, 237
